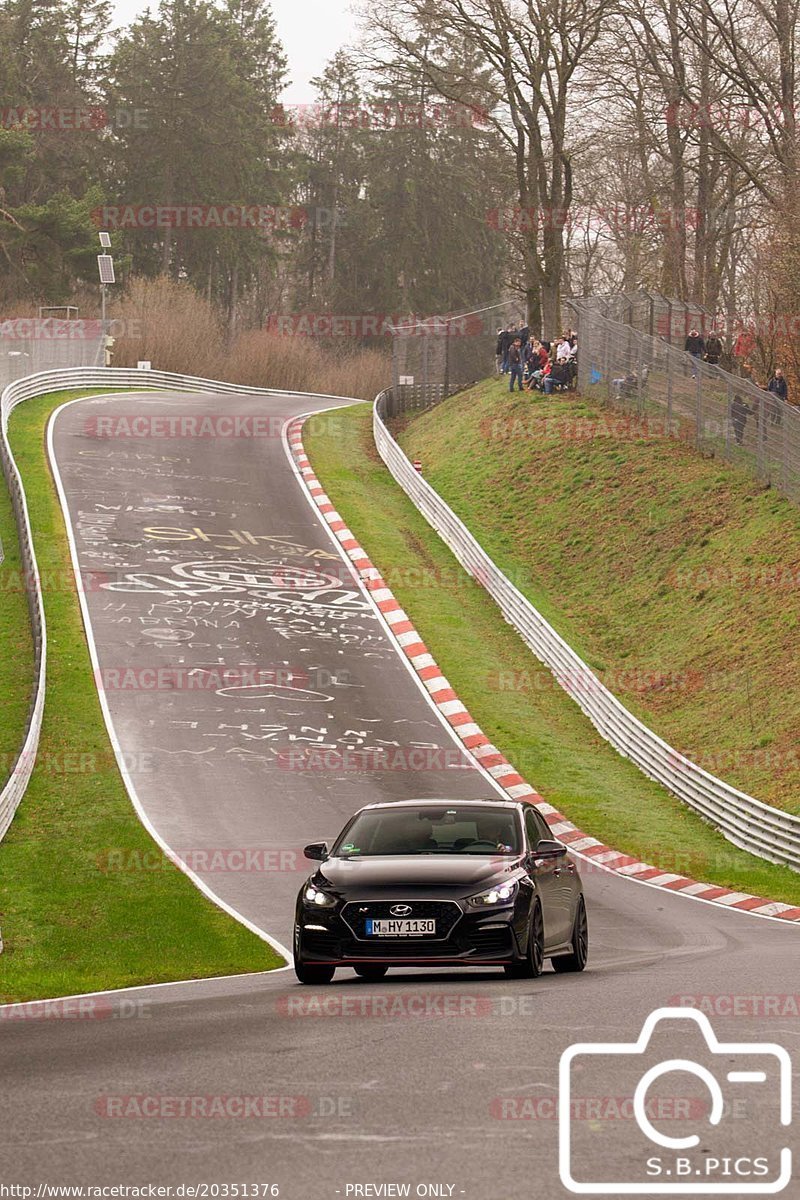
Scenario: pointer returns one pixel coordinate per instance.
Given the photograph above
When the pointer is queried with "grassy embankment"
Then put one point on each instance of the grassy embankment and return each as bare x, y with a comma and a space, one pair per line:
514, 699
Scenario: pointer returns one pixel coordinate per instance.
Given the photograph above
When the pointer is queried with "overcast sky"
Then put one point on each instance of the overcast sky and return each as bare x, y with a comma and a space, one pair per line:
311, 32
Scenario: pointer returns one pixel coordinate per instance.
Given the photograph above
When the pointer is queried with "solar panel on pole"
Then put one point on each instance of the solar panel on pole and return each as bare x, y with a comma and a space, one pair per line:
105, 264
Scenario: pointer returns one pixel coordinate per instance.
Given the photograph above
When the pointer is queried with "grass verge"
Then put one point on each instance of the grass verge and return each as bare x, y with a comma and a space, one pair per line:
69, 925
538, 728
675, 576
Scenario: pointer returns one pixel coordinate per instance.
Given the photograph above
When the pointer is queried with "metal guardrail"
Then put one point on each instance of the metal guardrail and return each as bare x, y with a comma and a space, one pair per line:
14, 394
746, 822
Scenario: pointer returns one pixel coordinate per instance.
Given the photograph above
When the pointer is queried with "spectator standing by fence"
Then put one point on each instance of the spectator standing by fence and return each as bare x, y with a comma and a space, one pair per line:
695, 346
515, 364
714, 348
695, 343
507, 339
740, 411
778, 388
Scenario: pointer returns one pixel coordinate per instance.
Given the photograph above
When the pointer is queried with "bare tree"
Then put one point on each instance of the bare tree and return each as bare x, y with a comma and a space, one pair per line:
534, 52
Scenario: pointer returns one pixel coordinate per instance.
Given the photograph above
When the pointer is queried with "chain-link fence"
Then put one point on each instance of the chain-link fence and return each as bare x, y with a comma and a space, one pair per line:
435, 357
30, 345
651, 313
716, 411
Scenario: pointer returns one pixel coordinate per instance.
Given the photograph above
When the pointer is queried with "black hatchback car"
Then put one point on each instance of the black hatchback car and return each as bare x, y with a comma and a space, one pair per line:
441, 883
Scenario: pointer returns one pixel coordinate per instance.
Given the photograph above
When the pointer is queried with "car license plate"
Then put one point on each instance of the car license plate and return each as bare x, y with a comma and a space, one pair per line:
396, 928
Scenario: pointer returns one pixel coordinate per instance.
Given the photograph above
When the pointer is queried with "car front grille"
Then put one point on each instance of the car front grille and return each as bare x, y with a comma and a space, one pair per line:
396, 948
446, 913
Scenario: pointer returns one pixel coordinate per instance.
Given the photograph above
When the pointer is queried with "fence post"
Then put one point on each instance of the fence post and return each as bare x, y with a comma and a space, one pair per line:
762, 415
729, 393
447, 358
699, 415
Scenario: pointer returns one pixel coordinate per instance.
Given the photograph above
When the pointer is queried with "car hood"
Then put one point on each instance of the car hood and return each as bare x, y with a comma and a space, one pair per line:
466, 871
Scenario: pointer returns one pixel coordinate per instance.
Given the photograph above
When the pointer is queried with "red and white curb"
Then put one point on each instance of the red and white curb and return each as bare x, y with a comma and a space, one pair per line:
478, 744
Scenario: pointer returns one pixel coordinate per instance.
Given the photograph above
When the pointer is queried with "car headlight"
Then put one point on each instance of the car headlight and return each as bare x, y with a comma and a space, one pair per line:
315, 898
495, 897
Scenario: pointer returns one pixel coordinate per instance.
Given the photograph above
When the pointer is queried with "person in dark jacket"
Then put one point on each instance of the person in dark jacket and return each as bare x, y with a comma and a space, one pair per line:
780, 389
694, 344
740, 410
515, 365
558, 377
508, 336
714, 348
498, 352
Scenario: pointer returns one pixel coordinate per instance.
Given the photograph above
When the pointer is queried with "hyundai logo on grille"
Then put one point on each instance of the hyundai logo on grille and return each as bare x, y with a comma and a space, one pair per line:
400, 910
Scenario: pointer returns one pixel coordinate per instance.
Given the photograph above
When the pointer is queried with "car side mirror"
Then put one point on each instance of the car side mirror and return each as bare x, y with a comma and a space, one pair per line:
549, 848
318, 851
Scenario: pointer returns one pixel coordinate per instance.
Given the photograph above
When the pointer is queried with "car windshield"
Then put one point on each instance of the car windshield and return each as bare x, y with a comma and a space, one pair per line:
445, 830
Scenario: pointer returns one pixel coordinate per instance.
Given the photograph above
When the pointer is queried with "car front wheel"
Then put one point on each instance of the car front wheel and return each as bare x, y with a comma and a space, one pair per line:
576, 960
532, 965
314, 973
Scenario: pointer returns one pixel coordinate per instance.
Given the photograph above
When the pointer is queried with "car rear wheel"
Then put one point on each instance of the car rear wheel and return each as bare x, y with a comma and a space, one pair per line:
315, 973
576, 960
532, 965
372, 972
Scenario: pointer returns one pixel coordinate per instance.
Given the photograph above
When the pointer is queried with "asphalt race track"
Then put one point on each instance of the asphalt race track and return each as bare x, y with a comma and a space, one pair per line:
202, 555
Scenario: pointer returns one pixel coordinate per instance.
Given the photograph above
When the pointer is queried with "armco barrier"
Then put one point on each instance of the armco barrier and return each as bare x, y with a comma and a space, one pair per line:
14, 394
745, 821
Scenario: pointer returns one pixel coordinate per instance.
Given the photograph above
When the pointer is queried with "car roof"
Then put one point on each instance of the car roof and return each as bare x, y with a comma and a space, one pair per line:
438, 801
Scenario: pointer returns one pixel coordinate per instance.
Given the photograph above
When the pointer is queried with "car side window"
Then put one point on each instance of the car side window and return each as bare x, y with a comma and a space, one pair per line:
532, 829
537, 828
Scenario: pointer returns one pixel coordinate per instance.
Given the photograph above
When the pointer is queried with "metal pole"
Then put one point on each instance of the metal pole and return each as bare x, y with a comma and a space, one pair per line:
447, 360
728, 421
699, 416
